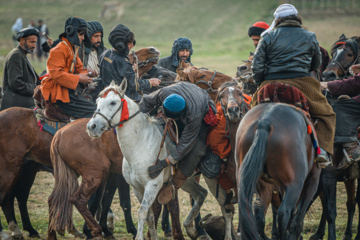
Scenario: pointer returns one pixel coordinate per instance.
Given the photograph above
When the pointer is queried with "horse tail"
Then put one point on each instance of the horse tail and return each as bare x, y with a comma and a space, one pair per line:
60, 207
250, 171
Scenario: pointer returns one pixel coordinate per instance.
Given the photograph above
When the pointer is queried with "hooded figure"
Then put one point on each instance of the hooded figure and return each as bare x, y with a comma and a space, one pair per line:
84, 52
172, 62
115, 65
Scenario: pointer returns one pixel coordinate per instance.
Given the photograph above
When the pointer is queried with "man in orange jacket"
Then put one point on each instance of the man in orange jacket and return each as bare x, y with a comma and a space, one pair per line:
66, 71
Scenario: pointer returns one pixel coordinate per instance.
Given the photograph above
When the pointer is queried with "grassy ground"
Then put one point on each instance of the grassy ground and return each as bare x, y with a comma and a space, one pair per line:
42, 188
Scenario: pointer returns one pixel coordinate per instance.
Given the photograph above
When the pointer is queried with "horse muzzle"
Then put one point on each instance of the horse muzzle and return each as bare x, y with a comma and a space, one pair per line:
96, 128
233, 113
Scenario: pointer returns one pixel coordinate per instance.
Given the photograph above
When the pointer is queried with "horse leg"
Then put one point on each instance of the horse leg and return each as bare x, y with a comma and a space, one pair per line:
261, 205
199, 194
307, 194
80, 199
173, 208
228, 215
328, 184
125, 203
275, 204
156, 208
165, 222
292, 193
93, 205
150, 220
350, 206
22, 191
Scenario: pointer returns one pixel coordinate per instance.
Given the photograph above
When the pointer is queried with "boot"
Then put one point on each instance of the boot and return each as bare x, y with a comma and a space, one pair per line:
323, 159
166, 192
353, 150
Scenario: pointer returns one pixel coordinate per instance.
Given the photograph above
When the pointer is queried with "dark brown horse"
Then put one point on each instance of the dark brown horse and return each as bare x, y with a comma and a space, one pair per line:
344, 55
272, 144
27, 142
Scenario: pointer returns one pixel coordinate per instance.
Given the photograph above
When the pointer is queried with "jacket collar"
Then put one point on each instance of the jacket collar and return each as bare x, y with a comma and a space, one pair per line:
290, 23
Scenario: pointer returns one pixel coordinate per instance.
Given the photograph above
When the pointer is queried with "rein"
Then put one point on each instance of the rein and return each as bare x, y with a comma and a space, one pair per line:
354, 45
109, 120
210, 89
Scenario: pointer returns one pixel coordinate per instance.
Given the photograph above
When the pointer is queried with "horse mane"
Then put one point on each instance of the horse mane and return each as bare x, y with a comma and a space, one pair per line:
344, 39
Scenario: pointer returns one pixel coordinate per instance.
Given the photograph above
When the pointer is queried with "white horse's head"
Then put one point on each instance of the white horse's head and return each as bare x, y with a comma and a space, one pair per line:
109, 109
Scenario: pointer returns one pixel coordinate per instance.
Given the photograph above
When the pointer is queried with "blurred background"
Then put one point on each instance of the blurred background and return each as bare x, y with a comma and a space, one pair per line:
218, 29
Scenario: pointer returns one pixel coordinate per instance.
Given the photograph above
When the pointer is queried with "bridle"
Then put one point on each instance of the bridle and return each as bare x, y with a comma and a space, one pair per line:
109, 120
355, 47
139, 64
209, 83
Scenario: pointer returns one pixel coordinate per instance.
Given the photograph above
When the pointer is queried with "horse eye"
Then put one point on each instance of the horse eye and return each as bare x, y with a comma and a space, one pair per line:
113, 103
350, 55
202, 76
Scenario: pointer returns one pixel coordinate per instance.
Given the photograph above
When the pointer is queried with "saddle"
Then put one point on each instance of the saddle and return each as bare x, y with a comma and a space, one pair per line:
45, 124
51, 111
172, 129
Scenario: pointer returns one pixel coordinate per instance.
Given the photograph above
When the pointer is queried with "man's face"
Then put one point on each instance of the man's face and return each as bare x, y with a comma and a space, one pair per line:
28, 43
184, 54
255, 39
96, 40
81, 36
130, 45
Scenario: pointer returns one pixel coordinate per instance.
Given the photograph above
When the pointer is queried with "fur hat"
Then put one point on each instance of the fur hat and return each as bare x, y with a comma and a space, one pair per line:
179, 44
72, 25
174, 106
26, 32
118, 38
283, 10
257, 28
95, 27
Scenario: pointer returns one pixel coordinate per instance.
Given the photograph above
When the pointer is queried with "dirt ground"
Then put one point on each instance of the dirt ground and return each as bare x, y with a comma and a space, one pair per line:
44, 182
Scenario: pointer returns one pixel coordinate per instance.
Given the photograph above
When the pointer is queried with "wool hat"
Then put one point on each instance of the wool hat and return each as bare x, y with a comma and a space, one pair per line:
174, 106
72, 25
26, 32
118, 38
257, 28
180, 44
283, 10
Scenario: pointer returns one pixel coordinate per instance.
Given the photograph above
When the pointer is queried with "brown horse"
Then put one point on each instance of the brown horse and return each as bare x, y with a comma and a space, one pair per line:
272, 144
27, 142
344, 53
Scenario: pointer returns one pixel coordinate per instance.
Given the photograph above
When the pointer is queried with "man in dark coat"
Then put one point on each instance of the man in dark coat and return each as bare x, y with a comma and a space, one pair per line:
115, 65
181, 50
347, 112
20, 78
188, 105
91, 56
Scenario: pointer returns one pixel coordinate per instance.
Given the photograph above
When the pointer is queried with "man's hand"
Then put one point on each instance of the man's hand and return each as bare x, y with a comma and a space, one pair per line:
85, 79
324, 85
355, 68
154, 82
156, 169
92, 73
50, 42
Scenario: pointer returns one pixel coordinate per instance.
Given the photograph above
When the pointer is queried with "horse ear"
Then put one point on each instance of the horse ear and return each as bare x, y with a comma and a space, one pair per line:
342, 37
112, 84
123, 85
251, 54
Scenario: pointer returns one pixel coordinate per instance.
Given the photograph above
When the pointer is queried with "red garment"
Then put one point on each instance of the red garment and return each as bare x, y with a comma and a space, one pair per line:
216, 138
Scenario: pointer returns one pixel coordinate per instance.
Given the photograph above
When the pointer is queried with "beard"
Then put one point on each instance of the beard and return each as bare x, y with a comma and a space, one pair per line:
184, 57
96, 45
28, 49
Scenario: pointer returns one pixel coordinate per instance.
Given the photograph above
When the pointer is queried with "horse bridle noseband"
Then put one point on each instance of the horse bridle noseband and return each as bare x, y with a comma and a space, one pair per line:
241, 105
210, 89
109, 120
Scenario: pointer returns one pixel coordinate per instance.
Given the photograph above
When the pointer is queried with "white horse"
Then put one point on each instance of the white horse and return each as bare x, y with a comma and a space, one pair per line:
139, 140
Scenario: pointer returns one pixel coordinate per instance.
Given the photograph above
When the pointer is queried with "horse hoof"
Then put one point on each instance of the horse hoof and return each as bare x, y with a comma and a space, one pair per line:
168, 235
5, 236
79, 235
34, 236
192, 233
61, 232
315, 237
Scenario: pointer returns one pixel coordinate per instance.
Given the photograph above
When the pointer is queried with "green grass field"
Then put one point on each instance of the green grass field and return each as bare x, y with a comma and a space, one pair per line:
218, 30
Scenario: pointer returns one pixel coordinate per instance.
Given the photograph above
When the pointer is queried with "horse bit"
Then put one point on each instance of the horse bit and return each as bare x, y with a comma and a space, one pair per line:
210, 89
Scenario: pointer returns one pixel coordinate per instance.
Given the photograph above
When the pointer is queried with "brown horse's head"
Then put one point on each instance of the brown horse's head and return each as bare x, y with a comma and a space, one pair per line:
202, 77
232, 101
344, 53
245, 75
145, 58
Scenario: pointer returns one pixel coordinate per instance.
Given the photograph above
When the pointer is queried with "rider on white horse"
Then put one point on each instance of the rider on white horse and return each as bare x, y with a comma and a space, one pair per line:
187, 104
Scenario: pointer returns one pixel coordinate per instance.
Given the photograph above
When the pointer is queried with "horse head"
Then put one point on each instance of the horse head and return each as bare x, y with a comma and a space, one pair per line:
344, 53
111, 101
232, 101
144, 58
245, 75
204, 78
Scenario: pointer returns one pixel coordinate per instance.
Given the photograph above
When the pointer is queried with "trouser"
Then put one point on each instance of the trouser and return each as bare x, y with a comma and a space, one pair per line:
78, 107
347, 119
